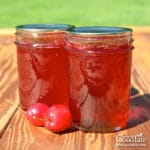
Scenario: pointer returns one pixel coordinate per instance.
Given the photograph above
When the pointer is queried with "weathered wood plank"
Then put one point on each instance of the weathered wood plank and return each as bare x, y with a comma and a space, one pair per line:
20, 134
8, 80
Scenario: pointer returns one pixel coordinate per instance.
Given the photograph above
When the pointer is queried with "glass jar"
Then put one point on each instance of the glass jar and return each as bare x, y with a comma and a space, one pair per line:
100, 66
42, 64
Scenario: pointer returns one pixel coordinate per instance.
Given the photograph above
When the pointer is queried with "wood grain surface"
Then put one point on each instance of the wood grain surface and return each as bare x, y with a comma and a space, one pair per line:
16, 133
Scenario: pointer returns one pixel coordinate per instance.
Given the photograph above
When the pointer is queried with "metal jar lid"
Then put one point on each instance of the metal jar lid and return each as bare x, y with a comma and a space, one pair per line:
99, 30
44, 27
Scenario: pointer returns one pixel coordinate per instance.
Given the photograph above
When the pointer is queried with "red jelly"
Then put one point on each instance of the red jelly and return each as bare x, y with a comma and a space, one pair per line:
99, 64
42, 64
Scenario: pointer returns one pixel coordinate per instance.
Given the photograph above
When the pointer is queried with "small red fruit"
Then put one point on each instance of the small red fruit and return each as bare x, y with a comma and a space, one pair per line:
35, 114
58, 118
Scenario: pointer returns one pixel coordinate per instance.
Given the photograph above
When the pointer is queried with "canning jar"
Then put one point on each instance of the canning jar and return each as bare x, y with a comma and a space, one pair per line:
99, 71
42, 64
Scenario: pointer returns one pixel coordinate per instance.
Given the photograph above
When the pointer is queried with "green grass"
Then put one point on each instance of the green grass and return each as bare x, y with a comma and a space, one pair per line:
78, 12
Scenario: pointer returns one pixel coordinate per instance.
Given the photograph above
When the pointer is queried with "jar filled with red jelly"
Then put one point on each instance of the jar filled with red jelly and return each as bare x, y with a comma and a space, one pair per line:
99, 71
42, 64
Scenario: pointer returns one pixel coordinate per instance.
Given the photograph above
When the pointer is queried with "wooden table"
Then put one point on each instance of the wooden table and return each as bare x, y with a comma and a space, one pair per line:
18, 134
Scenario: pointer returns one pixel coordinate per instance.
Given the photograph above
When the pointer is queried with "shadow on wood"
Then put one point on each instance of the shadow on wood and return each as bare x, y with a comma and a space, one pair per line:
139, 108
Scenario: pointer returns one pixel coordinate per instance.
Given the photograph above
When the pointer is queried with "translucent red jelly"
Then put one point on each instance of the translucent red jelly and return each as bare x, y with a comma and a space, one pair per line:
42, 75
99, 82
42, 64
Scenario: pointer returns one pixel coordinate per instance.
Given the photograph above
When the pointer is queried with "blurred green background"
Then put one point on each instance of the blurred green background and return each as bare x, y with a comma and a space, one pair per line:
78, 12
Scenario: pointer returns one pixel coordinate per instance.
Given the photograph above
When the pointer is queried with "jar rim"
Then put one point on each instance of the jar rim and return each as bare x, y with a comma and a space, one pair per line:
44, 27
99, 30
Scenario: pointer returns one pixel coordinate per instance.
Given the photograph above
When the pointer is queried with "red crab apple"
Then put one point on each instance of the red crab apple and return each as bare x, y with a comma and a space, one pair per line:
58, 118
35, 114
